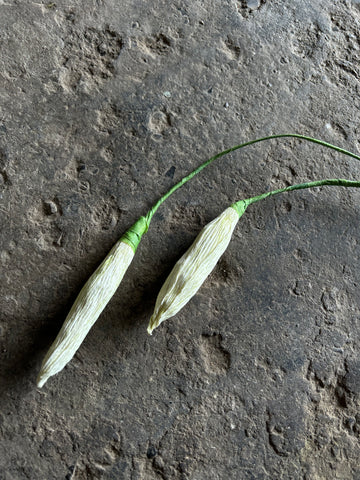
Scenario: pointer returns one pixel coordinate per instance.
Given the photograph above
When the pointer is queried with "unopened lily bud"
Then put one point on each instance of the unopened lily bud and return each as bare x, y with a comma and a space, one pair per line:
91, 301
195, 265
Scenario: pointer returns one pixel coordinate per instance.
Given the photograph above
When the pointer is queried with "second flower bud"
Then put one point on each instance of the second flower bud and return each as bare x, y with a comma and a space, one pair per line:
195, 265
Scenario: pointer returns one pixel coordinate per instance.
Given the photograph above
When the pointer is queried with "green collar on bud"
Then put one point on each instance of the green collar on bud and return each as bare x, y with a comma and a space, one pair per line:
133, 235
240, 207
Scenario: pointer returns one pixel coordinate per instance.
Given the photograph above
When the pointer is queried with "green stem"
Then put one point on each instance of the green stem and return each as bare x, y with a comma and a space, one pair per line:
134, 234
339, 182
152, 211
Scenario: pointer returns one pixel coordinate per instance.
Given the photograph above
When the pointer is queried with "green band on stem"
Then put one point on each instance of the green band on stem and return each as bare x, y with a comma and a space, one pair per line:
240, 207
133, 235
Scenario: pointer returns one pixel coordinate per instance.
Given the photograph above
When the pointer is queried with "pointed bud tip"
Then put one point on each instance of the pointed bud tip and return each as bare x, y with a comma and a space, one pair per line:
152, 324
41, 380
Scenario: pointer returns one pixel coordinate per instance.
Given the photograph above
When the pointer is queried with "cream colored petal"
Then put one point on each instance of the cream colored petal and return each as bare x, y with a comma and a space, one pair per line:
194, 266
89, 304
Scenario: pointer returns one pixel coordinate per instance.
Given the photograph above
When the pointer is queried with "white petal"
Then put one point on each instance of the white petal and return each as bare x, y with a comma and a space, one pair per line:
194, 266
89, 304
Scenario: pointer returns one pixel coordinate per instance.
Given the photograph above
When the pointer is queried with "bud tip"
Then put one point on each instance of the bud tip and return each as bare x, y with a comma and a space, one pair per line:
40, 382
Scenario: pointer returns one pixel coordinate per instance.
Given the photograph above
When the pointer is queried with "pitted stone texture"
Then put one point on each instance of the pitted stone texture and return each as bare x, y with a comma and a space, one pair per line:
103, 106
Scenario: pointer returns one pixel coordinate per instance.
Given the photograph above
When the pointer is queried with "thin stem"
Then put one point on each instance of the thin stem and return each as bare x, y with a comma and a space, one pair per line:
232, 149
339, 182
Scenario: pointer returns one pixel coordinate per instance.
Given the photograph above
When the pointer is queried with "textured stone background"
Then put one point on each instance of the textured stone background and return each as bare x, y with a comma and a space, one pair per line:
104, 105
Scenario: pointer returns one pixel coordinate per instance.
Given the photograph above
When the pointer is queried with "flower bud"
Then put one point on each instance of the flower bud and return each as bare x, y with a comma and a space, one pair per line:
195, 265
91, 301
89, 304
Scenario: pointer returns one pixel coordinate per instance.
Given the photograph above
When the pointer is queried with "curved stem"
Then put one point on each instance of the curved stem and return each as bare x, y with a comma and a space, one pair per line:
339, 182
237, 147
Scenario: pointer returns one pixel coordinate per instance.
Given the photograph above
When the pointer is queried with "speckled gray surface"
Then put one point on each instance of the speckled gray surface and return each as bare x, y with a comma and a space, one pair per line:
103, 106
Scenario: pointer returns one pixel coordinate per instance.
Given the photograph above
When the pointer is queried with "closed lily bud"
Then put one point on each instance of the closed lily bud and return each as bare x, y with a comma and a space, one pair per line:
91, 301
195, 265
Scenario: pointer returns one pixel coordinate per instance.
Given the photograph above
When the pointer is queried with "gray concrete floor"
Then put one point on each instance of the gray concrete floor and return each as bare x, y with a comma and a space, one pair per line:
104, 104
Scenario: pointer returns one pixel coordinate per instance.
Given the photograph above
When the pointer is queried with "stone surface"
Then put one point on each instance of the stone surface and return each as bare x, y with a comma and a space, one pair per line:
104, 105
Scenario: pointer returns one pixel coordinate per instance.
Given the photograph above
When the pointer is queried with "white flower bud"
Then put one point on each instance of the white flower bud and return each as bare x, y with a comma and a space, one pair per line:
194, 266
89, 304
